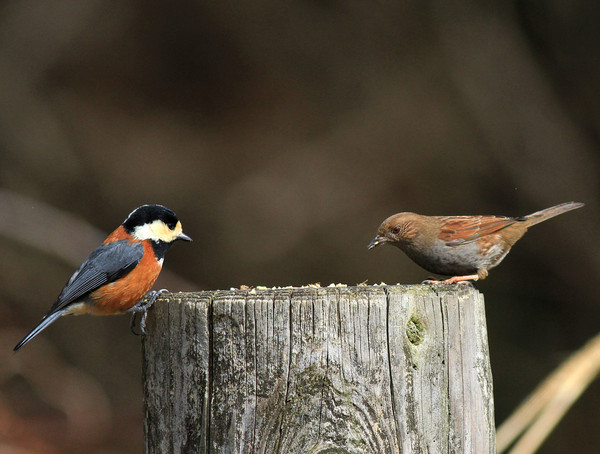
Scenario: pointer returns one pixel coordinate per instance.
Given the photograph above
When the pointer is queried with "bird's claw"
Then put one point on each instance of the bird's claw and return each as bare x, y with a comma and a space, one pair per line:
450, 281
432, 281
469, 283
142, 306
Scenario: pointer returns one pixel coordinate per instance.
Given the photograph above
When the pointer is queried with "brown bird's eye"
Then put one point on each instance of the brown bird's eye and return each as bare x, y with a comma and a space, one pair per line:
396, 230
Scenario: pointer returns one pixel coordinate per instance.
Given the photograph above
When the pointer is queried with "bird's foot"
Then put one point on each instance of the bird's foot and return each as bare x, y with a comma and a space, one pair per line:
469, 283
459, 280
432, 281
142, 306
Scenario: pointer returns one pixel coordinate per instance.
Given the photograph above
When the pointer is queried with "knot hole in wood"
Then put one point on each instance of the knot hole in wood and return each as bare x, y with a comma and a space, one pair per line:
415, 330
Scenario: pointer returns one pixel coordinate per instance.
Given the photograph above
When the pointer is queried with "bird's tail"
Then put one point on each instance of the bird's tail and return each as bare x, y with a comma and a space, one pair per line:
540, 216
46, 321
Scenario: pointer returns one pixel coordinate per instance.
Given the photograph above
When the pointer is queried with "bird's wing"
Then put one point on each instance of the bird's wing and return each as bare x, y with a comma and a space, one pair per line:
457, 230
106, 264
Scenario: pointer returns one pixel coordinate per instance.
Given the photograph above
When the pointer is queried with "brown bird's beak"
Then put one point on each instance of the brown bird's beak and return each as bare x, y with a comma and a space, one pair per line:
184, 237
377, 241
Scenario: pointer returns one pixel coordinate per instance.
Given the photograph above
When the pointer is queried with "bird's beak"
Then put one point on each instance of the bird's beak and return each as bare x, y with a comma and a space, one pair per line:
184, 237
377, 241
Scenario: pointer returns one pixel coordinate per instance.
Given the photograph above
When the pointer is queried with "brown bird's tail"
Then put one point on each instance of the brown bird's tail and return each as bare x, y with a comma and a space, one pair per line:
540, 216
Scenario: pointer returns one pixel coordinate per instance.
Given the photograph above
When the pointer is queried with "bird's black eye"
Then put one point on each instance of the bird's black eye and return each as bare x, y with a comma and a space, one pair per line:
396, 230
171, 225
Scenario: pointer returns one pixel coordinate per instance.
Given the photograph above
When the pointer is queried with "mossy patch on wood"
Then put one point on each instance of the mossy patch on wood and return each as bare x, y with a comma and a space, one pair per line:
415, 330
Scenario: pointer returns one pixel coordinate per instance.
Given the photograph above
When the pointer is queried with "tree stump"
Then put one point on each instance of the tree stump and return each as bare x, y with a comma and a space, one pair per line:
384, 369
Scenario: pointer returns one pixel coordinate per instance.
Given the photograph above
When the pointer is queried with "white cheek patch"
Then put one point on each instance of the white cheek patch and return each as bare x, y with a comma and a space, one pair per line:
160, 261
144, 232
155, 231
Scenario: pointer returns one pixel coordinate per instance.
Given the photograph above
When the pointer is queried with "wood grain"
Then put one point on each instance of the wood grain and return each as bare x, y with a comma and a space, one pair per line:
397, 369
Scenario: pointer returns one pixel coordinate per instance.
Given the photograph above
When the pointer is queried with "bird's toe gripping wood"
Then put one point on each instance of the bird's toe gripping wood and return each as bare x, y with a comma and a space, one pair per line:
142, 306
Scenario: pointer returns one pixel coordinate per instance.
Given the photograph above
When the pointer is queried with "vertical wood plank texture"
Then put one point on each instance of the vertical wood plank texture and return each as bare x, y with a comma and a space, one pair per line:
397, 369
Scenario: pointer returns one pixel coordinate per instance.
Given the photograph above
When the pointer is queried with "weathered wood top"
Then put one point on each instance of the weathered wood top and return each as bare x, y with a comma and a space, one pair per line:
313, 370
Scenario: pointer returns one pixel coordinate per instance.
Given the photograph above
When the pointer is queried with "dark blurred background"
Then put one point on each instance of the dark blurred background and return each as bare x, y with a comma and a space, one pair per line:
282, 134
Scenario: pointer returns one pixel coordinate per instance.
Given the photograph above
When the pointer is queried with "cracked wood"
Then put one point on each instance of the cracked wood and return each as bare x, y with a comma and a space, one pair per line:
397, 369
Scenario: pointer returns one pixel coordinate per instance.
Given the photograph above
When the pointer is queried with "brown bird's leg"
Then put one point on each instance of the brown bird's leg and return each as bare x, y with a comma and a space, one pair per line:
464, 280
481, 274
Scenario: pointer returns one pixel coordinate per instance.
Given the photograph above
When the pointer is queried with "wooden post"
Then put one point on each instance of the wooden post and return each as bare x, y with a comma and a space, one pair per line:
396, 369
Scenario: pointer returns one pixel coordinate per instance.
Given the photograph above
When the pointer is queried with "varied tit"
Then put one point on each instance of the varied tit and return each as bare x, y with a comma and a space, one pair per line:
116, 277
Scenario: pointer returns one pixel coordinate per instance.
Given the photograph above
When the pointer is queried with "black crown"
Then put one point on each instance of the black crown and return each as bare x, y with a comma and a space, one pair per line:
146, 214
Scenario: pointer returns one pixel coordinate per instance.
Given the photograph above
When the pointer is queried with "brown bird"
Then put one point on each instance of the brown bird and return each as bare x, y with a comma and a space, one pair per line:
464, 247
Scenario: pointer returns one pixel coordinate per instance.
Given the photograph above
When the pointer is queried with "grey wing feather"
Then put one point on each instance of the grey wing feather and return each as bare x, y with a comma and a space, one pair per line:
106, 264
